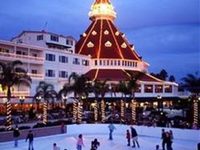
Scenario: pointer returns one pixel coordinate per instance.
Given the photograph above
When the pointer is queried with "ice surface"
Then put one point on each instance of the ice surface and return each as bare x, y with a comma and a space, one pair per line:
68, 141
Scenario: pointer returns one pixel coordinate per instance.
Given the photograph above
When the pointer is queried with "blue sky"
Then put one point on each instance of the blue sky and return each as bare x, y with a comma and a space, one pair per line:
166, 33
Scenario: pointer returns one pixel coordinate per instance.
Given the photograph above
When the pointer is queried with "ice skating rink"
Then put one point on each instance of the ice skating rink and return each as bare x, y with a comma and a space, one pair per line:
68, 140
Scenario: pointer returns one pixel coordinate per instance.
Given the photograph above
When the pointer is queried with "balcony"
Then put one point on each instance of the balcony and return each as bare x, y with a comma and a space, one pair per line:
36, 76
23, 58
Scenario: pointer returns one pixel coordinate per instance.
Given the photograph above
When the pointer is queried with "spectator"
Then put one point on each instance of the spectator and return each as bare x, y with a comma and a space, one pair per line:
16, 135
30, 138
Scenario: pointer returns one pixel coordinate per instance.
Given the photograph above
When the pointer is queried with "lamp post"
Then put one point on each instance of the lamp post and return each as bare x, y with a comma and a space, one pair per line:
159, 97
64, 98
21, 100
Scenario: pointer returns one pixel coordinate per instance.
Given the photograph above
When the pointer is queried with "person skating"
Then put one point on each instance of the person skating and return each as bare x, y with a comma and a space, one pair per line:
111, 129
30, 138
128, 137
168, 141
95, 144
79, 143
163, 136
16, 135
134, 137
55, 147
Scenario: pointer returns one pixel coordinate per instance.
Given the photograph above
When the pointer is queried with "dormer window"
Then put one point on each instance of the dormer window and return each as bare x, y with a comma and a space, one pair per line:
90, 45
54, 38
108, 44
39, 37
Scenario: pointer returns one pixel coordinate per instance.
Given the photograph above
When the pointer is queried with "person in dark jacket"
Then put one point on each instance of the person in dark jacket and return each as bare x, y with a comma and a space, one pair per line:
134, 137
16, 135
168, 141
128, 137
30, 138
163, 136
95, 144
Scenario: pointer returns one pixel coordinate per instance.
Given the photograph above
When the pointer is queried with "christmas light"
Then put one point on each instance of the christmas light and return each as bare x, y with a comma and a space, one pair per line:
122, 110
102, 110
75, 110
133, 110
45, 113
195, 111
95, 111
80, 110
8, 115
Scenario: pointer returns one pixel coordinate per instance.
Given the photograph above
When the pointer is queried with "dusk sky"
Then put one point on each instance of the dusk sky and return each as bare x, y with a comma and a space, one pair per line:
166, 33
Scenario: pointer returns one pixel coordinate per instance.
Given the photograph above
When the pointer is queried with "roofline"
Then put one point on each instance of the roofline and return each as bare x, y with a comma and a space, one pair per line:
42, 32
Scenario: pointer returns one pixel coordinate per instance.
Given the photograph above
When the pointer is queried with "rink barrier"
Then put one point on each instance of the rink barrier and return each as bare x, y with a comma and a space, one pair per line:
102, 129
38, 132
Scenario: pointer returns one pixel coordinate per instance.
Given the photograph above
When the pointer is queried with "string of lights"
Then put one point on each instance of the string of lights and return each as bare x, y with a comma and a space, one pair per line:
102, 110
95, 111
133, 110
45, 113
122, 109
8, 117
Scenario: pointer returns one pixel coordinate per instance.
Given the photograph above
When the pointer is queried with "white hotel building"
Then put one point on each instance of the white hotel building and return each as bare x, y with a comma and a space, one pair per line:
51, 58
46, 57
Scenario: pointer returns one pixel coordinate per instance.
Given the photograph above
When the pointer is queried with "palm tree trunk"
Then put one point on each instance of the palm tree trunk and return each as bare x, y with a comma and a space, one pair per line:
75, 110
195, 111
80, 111
95, 111
102, 110
8, 110
45, 112
122, 110
133, 110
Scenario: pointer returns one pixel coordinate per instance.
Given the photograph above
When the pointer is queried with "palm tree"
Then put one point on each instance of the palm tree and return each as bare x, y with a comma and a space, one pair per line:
133, 86
80, 86
192, 84
123, 89
11, 74
46, 92
104, 88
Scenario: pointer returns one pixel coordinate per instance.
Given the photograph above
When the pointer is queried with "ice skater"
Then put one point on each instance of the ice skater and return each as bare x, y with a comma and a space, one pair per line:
95, 144
55, 147
111, 129
128, 137
163, 136
168, 141
16, 135
79, 143
134, 137
30, 138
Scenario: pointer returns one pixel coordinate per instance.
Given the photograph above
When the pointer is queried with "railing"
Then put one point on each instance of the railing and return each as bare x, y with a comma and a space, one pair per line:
21, 56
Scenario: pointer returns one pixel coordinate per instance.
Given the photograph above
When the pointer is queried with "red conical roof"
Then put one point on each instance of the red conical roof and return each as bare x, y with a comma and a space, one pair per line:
103, 40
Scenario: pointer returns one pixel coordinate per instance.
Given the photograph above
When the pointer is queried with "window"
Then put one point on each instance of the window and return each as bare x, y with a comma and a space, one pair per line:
54, 38
50, 73
39, 37
95, 62
76, 61
168, 89
34, 71
50, 57
138, 90
18, 52
63, 74
63, 59
85, 62
69, 42
148, 88
158, 88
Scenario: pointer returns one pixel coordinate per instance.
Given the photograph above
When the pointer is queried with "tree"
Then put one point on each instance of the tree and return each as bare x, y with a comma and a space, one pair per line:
172, 78
62, 94
47, 93
163, 75
80, 86
12, 73
192, 84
